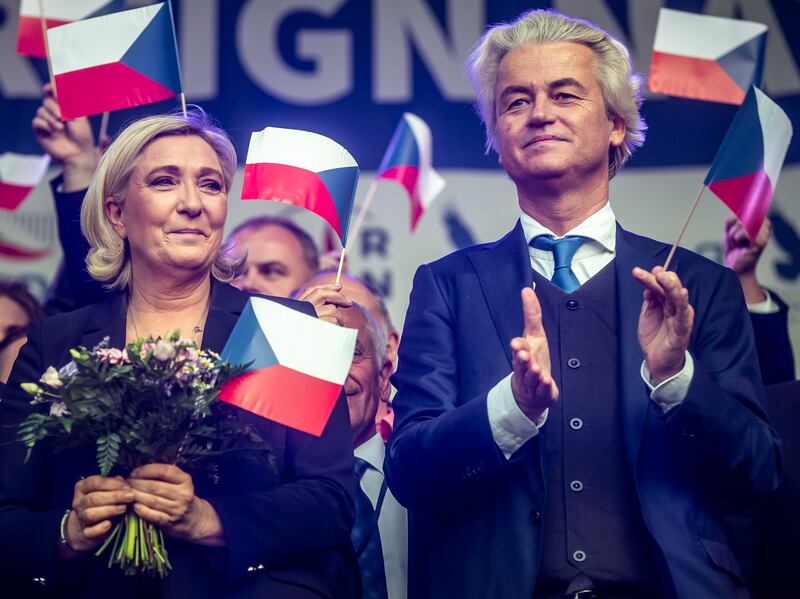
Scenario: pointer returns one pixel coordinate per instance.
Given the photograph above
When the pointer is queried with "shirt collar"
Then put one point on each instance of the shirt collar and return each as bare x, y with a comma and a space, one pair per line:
372, 452
600, 227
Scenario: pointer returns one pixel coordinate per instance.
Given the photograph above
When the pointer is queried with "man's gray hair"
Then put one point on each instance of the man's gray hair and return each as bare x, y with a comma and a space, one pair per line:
376, 335
621, 87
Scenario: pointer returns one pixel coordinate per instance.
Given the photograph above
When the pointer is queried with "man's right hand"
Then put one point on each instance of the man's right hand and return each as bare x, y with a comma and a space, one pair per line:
531, 382
70, 143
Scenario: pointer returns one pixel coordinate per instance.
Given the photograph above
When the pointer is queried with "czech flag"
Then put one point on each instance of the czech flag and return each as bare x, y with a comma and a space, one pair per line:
305, 169
115, 61
706, 58
298, 365
745, 172
30, 40
19, 174
408, 161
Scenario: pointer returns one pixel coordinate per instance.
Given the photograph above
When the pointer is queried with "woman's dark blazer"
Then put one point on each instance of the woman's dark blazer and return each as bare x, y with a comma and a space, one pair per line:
288, 531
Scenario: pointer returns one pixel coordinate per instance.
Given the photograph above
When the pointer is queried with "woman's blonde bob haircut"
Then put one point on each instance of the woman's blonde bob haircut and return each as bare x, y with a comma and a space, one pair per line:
621, 87
108, 260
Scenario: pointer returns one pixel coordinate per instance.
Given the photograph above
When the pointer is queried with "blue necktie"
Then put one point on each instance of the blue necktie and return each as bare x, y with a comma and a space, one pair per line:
563, 250
367, 541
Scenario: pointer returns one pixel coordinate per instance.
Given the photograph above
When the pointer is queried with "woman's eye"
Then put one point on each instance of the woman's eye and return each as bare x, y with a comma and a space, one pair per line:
161, 181
212, 185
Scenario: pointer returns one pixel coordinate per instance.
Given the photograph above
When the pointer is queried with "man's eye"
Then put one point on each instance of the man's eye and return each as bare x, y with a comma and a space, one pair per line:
564, 96
516, 103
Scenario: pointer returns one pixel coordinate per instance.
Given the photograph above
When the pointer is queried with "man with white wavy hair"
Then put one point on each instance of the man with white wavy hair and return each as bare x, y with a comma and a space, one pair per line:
578, 440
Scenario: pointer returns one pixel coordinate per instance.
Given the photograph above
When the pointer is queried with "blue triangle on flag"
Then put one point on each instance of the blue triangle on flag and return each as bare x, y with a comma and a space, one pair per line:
745, 64
154, 53
247, 343
341, 185
742, 149
404, 149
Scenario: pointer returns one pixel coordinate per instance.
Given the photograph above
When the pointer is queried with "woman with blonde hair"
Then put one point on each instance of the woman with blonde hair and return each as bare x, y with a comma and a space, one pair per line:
154, 217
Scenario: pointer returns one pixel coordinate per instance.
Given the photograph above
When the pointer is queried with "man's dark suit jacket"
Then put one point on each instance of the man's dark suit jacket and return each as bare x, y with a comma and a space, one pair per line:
773, 345
475, 518
295, 522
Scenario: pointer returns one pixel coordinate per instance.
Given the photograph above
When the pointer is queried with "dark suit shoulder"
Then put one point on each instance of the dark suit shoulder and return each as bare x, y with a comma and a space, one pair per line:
229, 298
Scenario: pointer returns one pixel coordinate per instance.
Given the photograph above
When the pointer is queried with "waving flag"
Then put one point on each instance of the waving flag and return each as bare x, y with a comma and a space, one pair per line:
19, 174
745, 172
298, 365
30, 40
115, 61
305, 169
408, 161
706, 58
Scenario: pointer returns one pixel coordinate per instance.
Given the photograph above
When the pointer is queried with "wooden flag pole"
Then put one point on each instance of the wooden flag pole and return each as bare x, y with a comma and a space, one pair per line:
683, 228
362, 213
43, 22
341, 264
183, 104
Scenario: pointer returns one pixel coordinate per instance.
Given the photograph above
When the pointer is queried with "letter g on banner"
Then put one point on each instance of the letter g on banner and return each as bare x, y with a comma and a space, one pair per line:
330, 52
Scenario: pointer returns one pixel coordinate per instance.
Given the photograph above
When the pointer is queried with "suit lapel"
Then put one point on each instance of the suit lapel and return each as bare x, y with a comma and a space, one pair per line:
226, 306
633, 250
503, 269
108, 319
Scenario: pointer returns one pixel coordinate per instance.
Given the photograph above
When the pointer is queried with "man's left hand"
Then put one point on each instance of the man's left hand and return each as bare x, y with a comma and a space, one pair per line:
665, 322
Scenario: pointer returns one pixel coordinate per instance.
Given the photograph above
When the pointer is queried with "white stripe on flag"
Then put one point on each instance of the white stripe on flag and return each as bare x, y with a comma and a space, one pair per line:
61, 10
302, 149
776, 131
430, 182
97, 41
701, 36
304, 343
24, 170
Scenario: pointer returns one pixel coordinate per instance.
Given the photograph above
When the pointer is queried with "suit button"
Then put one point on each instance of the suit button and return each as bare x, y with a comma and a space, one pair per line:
576, 424
572, 304
579, 556
574, 363
576, 486
535, 517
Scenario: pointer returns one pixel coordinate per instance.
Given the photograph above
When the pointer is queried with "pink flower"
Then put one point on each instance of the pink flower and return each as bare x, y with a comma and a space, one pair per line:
113, 355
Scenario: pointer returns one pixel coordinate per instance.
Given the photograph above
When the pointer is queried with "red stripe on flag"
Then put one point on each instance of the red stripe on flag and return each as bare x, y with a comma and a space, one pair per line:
11, 196
407, 176
290, 185
10, 251
748, 196
283, 395
30, 41
105, 88
695, 78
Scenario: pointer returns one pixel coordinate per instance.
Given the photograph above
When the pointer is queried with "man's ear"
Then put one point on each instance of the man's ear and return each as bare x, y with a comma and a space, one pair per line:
618, 131
113, 210
384, 386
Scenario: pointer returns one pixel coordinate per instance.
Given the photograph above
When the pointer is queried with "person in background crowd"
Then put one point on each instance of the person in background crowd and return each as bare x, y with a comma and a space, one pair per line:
328, 299
280, 256
17, 309
380, 533
154, 216
582, 439
768, 312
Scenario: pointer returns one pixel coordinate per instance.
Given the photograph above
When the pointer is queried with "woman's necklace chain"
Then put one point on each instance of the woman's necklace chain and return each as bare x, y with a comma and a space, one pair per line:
196, 330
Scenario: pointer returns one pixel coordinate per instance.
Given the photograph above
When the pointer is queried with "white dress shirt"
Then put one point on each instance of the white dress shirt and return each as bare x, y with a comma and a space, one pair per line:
392, 521
511, 428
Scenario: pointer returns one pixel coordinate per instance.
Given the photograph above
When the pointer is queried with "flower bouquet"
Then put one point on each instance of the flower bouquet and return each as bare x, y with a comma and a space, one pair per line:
153, 402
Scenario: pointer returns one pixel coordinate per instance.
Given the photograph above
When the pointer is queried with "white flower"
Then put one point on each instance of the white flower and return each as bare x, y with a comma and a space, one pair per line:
163, 351
51, 379
58, 409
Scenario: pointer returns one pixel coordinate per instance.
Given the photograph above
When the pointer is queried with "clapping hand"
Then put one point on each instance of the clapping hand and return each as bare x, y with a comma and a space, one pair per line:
665, 322
531, 382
